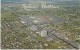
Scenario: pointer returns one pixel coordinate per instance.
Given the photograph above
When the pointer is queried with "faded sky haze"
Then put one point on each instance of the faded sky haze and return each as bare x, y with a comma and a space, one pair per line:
35, 0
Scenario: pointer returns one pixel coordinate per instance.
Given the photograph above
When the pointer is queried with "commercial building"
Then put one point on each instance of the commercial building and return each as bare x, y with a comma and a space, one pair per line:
44, 33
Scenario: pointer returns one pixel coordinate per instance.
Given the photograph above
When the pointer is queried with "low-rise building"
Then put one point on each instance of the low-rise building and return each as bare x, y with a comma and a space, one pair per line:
44, 33
33, 28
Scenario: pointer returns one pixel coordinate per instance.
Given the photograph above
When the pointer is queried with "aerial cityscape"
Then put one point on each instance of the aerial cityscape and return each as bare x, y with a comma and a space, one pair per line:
40, 24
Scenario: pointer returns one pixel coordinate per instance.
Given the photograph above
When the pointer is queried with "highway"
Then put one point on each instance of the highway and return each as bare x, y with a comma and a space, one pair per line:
67, 41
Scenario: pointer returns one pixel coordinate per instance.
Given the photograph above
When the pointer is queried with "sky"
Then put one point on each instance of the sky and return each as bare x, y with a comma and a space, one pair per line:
34, 0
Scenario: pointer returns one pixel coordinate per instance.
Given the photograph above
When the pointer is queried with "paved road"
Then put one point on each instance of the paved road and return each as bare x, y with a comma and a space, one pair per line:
73, 44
